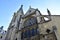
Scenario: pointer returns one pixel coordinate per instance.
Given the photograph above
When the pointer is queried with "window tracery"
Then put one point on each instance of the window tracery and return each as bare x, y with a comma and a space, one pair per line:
30, 31
30, 22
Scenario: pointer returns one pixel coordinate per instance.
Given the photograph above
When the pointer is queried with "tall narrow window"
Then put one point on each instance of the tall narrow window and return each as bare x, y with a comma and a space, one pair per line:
28, 33
33, 33
22, 35
25, 34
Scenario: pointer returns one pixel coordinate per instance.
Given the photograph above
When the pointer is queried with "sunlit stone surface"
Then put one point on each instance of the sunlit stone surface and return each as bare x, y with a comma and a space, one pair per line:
33, 26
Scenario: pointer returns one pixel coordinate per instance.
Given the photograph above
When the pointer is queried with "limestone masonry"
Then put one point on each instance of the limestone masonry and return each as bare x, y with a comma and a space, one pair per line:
33, 26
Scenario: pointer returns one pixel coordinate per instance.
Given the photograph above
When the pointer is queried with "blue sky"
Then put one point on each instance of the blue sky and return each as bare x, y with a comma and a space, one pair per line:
8, 7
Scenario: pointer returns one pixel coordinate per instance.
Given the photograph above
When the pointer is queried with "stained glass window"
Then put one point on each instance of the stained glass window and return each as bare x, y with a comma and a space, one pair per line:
33, 32
30, 22
28, 33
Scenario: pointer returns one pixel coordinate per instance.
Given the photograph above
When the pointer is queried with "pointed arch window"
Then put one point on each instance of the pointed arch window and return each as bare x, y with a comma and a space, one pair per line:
25, 34
31, 21
33, 32
28, 33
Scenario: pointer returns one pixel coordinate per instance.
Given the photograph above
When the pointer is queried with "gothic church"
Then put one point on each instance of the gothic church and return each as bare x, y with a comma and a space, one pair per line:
33, 26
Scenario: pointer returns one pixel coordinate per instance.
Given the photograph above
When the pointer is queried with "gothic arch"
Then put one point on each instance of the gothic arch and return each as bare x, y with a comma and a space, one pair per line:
30, 21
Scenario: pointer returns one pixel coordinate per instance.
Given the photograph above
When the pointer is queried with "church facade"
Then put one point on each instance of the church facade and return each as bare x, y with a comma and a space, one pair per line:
33, 26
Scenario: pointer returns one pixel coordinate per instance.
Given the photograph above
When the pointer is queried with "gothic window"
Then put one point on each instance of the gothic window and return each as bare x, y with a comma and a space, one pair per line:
33, 32
30, 21
36, 31
28, 33
25, 34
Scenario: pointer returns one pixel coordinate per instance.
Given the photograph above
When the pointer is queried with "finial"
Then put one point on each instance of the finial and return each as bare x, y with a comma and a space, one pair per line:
21, 7
48, 12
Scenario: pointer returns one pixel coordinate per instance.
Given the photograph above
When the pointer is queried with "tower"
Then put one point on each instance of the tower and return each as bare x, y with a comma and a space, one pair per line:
14, 25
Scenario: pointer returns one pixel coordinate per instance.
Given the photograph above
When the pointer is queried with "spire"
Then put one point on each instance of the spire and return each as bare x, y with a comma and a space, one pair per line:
49, 12
21, 9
